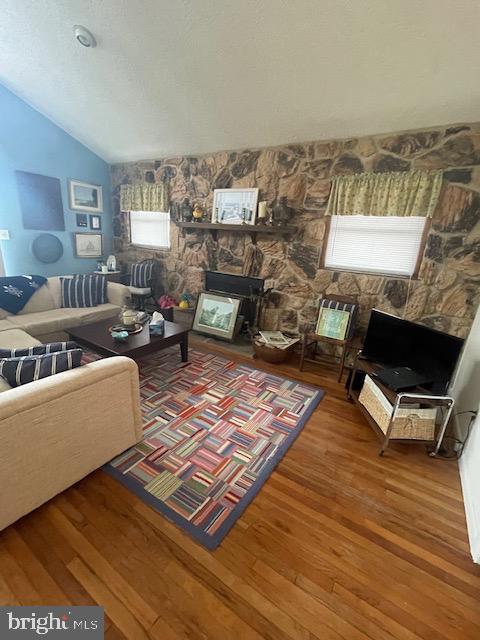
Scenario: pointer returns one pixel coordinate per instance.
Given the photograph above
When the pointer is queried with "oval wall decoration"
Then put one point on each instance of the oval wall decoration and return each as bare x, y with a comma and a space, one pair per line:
47, 248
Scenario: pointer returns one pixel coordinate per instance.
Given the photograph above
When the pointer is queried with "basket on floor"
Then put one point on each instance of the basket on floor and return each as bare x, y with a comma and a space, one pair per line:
271, 354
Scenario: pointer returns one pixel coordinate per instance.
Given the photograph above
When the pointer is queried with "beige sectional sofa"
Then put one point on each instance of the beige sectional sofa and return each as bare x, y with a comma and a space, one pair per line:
55, 431
44, 319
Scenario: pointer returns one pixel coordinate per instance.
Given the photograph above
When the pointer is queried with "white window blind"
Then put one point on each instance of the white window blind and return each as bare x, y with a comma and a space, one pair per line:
374, 244
150, 229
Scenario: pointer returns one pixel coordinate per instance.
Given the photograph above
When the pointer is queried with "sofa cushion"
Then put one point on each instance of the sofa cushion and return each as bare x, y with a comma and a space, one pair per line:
47, 321
42, 300
5, 325
53, 285
4, 386
17, 339
100, 312
17, 371
78, 292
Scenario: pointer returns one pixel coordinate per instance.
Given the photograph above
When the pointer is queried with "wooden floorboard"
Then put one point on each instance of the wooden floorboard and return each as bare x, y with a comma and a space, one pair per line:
338, 544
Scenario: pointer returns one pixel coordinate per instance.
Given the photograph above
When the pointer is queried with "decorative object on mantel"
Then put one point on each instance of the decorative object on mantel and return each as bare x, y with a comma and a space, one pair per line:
234, 206
144, 197
197, 213
84, 196
281, 212
186, 211
403, 193
262, 212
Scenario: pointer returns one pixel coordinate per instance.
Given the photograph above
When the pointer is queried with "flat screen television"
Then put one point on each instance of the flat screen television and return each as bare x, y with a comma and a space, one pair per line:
394, 342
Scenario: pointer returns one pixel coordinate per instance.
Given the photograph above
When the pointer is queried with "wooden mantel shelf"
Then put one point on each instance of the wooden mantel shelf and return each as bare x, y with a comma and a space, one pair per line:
252, 229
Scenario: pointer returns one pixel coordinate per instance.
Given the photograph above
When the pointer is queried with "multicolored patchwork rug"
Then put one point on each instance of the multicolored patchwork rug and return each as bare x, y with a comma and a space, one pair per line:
214, 430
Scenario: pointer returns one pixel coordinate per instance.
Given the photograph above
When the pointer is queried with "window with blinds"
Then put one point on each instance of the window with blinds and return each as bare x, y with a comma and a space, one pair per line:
150, 229
375, 244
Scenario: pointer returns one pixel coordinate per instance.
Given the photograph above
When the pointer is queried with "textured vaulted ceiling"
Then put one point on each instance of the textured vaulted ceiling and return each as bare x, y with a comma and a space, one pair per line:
192, 76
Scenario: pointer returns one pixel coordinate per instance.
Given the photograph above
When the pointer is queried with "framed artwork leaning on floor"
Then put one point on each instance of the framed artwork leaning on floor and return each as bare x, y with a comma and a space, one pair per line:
216, 315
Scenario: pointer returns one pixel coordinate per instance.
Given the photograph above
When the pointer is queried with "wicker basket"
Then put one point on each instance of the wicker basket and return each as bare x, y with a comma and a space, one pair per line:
409, 423
274, 355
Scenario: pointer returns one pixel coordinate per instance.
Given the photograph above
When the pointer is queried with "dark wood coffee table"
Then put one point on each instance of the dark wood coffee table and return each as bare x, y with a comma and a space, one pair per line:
97, 338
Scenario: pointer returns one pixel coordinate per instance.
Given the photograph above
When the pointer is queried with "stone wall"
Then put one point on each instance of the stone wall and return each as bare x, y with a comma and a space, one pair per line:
445, 295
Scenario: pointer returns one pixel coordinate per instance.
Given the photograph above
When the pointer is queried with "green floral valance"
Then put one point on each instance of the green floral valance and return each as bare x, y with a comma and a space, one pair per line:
144, 197
409, 193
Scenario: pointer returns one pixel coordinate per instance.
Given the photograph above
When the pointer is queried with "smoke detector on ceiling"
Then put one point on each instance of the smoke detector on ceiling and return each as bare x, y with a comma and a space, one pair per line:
84, 37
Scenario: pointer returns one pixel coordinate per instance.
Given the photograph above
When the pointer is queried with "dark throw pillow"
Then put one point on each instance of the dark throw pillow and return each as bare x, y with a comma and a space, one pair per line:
40, 350
18, 371
78, 292
142, 273
99, 284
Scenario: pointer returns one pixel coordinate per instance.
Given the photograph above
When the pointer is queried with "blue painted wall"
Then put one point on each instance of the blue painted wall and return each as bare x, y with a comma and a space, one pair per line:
30, 142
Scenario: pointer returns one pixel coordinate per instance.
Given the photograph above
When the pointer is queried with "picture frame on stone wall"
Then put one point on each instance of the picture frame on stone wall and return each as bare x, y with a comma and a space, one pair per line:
235, 206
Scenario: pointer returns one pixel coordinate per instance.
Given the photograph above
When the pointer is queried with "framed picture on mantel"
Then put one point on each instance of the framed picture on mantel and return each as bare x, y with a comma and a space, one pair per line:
234, 206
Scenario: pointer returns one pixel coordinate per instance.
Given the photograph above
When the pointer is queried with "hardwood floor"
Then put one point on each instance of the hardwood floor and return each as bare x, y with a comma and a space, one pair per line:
339, 543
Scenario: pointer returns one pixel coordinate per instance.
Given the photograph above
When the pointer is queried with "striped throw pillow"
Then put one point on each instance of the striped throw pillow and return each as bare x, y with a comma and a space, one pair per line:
99, 284
39, 350
142, 273
78, 292
18, 371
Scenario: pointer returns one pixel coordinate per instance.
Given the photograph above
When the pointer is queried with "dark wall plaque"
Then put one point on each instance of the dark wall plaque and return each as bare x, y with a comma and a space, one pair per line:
40, 201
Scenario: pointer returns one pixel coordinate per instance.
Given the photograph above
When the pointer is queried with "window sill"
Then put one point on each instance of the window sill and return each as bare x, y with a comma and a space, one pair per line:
149, 247
393, 276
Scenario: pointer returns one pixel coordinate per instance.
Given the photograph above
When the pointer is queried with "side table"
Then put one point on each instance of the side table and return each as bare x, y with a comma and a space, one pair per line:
110, 276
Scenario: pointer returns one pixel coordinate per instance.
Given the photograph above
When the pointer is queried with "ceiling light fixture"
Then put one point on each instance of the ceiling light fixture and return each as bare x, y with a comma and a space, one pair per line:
84, 37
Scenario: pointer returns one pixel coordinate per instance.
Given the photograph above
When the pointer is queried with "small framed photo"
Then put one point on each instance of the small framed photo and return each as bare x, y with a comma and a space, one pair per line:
82, 220
85, 197
216, 315
234, 206
95, 222
88, 245
333, 323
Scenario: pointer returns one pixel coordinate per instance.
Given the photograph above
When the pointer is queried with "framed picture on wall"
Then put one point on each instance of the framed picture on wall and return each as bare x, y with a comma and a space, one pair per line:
85, 197
234, 206
82, 220
88, 245
40, 201
95, 222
